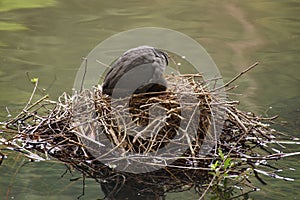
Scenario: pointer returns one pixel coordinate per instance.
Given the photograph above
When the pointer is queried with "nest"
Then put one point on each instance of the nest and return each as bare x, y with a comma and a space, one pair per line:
111, 139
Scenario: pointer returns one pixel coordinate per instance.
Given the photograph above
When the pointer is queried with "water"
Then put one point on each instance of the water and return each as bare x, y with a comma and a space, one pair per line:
47, 39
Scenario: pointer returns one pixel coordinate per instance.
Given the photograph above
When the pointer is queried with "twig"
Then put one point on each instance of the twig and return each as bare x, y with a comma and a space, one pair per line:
237, 76
84, 73
8, 113
32, 94
105, 65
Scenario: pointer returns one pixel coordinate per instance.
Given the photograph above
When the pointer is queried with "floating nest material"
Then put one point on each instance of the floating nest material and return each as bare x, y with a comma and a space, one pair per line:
151, 143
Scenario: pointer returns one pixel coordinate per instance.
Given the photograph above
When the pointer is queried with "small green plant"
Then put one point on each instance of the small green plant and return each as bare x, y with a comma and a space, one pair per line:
225, 183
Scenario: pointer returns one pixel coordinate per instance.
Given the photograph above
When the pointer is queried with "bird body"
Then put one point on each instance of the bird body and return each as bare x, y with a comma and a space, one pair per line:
138, 70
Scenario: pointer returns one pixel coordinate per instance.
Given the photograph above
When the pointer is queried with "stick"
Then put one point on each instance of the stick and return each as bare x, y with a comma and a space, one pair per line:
237, 76
105, 65
84, 73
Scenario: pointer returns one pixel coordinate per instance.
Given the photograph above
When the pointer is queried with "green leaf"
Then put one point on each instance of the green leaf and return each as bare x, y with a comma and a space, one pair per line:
227, 163
214, 165
34, 80
221, 154
212, 173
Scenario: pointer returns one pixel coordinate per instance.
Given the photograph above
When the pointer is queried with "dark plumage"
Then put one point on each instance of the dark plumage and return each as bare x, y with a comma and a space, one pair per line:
138, 70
